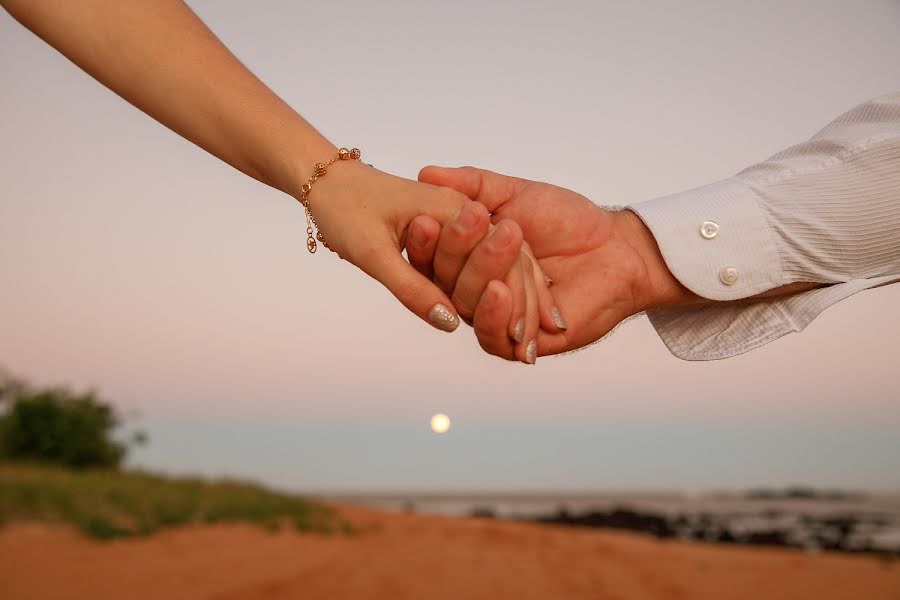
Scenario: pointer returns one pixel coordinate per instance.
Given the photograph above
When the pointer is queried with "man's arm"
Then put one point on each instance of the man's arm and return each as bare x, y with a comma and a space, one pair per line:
666, 291
721, 269
821, 218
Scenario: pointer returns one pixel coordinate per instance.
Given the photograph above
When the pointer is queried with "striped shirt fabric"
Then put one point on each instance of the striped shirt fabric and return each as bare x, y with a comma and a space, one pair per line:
825, 211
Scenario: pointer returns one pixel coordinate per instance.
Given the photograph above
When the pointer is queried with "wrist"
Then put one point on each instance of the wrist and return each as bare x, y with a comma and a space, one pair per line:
334, 196
658, 287
343, 179
299, 163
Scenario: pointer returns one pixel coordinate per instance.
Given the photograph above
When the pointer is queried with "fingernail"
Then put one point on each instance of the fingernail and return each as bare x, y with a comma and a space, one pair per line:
558, 319
500, 237
468, 217
443, 318
418, 237
519, 330
490, 298
531, 352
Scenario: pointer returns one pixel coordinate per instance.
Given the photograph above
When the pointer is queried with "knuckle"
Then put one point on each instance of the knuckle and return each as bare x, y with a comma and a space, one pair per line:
441, 282
481, 209
454, 239
463, 307
420, 254
495, 348
451, 197
489, 333
406, 289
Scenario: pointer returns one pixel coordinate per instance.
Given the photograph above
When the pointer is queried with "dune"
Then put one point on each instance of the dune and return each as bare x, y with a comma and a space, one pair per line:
396, 556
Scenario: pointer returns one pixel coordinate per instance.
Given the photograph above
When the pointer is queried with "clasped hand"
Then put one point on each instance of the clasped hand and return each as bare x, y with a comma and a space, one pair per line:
534, 268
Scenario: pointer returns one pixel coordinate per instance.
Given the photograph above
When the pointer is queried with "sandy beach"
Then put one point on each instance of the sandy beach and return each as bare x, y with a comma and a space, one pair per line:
398, 556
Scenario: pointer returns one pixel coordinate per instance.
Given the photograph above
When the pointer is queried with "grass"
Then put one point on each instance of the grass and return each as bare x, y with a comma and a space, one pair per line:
108, 504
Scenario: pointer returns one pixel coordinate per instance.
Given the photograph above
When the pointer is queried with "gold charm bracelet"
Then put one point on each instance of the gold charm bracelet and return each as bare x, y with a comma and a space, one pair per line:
319, 171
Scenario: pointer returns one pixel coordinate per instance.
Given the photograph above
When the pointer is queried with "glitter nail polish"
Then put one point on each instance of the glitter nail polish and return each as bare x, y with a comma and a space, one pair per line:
443, 318
531, 352
519, 330
558, 318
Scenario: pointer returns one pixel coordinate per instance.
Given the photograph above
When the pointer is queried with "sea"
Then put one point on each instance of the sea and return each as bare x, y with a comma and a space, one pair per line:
808, 519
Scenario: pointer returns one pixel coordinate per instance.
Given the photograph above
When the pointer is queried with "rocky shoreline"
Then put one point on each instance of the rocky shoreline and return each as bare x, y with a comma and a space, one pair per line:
813, 520
869, 533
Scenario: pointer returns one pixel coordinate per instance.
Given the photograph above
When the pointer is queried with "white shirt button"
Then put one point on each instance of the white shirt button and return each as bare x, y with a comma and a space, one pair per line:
709, 229
729, 275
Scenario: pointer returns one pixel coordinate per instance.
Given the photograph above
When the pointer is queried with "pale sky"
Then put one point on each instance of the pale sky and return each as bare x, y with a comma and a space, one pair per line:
132, 261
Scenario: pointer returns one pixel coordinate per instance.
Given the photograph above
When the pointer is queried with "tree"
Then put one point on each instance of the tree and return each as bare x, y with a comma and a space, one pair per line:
60, 426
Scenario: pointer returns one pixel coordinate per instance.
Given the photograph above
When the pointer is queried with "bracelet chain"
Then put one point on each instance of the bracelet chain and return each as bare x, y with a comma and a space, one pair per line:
320, 170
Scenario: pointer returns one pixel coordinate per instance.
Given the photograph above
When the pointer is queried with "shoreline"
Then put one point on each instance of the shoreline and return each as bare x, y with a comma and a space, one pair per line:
793, 518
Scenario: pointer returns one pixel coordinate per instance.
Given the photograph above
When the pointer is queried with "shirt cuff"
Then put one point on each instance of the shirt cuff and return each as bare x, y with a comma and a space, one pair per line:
715, 240
723, 330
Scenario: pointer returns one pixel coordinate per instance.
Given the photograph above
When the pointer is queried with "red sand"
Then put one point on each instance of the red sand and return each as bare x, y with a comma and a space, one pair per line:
413, 556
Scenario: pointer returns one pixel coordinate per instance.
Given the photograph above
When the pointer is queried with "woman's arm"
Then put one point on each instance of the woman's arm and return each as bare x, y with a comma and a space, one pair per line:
162, 59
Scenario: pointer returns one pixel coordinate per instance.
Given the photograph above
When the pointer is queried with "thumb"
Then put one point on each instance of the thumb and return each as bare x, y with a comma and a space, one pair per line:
493, 190
413, 290
465, 180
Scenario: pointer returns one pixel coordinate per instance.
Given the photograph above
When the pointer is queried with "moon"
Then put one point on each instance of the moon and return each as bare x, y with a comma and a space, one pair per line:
440, 423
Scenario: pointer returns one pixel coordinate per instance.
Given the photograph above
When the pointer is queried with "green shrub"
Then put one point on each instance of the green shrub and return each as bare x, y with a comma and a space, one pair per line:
56, 425
59, 426
107, 504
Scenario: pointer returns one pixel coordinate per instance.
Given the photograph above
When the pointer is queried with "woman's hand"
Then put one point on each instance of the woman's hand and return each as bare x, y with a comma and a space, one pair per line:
364, 216
160, 57
463, 256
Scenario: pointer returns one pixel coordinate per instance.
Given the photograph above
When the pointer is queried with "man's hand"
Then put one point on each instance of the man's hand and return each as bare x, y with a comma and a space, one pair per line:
605, 266
466, 254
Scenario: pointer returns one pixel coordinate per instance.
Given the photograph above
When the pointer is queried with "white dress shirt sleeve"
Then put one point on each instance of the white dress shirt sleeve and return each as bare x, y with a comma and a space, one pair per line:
825, 211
